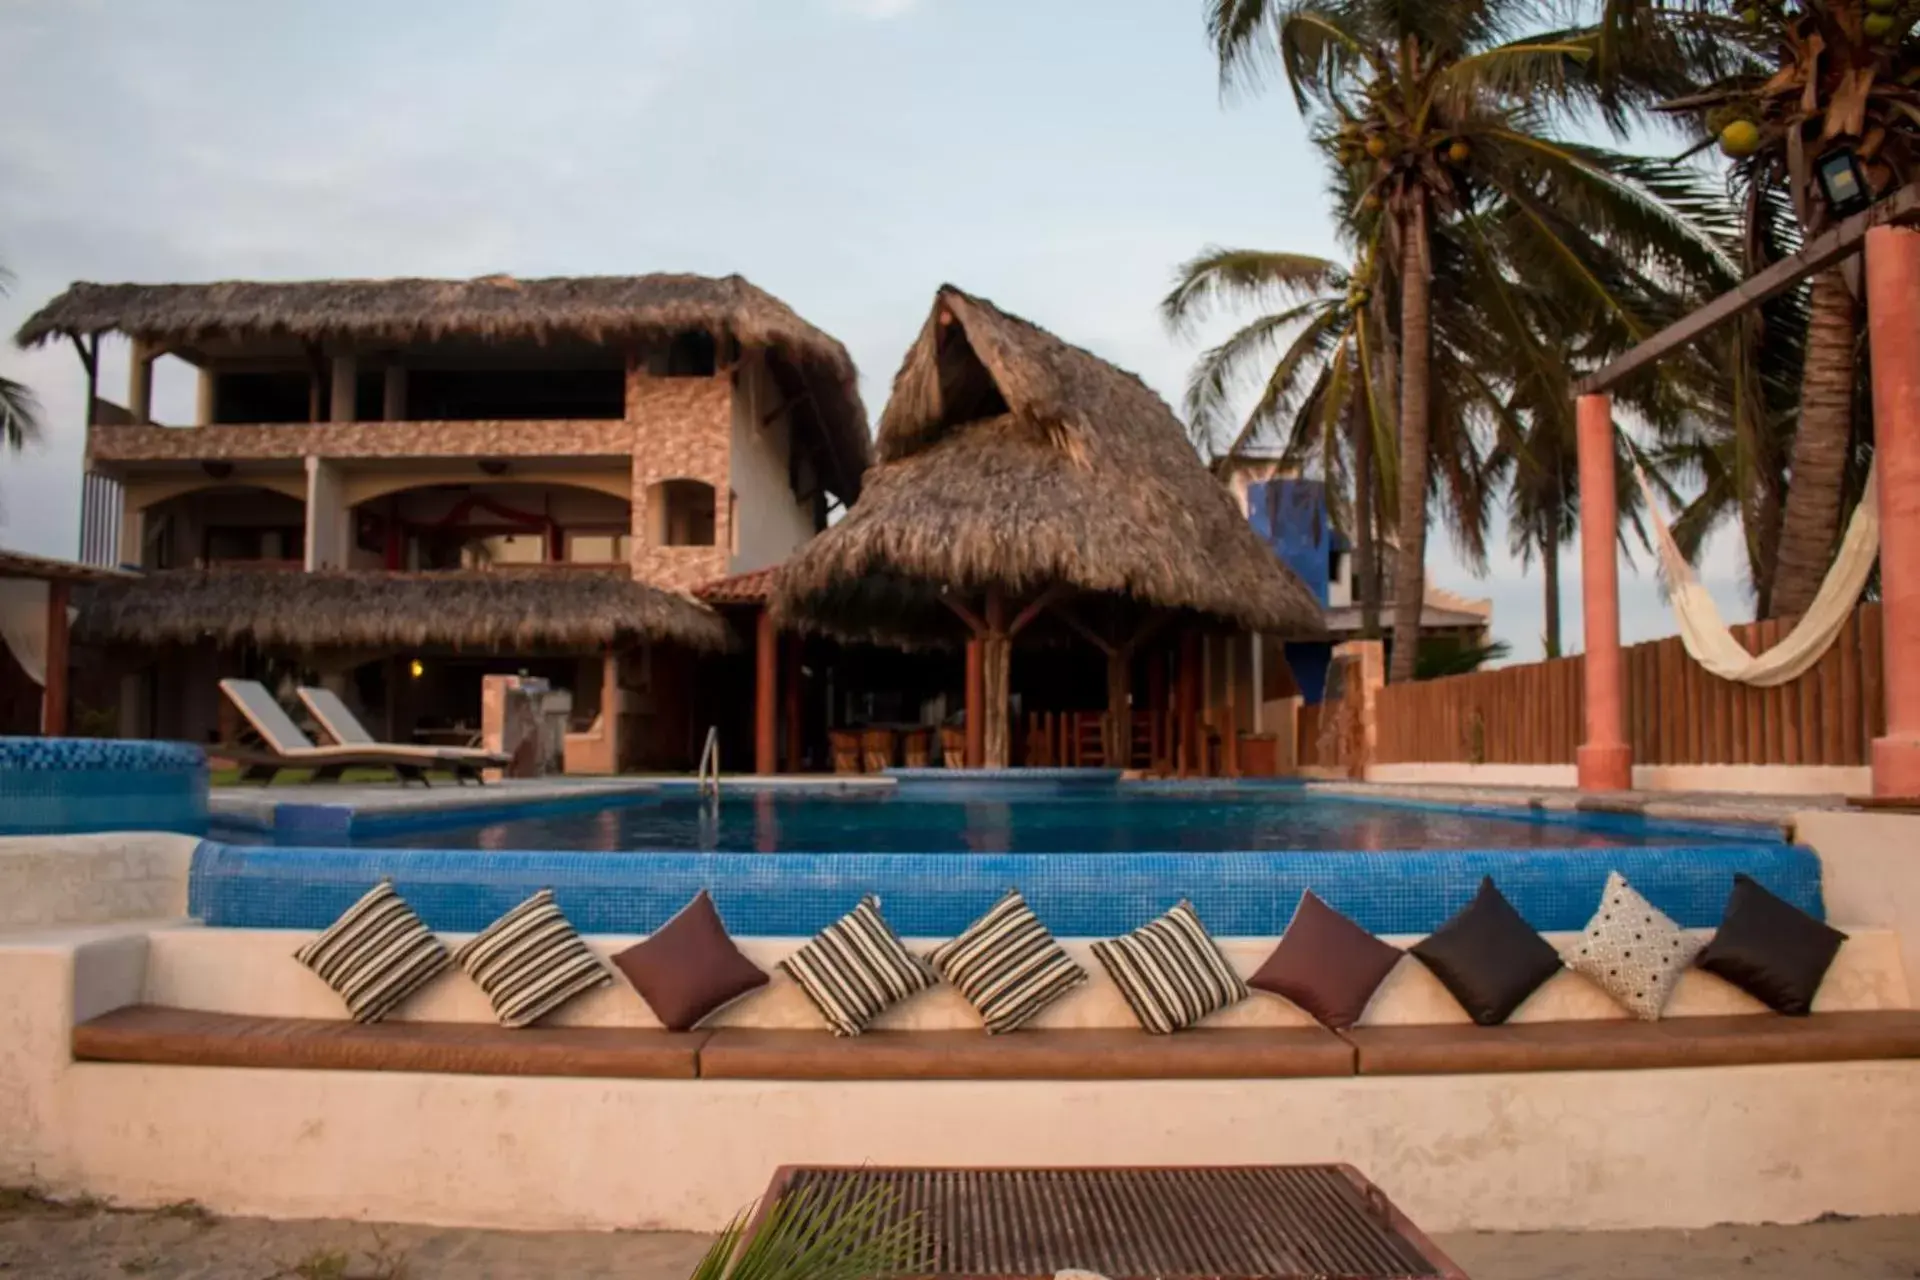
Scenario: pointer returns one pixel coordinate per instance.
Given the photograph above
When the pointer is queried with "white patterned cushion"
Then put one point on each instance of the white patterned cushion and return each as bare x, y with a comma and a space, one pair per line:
1632, 950
1007, 965
855, 969
530, 962
376, 954
1171, 972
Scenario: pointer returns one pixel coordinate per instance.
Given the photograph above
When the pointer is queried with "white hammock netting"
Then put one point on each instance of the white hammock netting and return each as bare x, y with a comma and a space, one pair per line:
1706, 637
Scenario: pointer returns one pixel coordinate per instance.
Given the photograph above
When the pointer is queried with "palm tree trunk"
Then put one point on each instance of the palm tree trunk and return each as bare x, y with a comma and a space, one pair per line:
1550, 563
1416, 337
1810, 525
1360, 423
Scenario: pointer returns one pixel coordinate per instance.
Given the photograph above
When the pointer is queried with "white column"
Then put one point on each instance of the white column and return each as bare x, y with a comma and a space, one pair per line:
345, 374
207, 405
393, 400
326, 516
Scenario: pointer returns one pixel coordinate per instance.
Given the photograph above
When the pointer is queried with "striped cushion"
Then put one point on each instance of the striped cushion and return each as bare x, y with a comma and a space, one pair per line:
855, 969
376, 954
1170, 971
530, 962
1007, 965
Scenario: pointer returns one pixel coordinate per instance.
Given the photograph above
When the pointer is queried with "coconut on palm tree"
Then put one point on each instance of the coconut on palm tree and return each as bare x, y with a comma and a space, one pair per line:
1819, 75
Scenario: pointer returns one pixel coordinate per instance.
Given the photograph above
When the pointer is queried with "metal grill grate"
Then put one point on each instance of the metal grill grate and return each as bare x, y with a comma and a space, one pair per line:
1263, 1221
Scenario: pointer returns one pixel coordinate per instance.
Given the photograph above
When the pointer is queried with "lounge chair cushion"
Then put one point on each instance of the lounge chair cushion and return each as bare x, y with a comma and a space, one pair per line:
1007, 965
376, 954
190, 1037
741, 1053
689, 969
1770, 948
1170, 971
530, 962
1614, 1044
856, 968
1632, 951
1488, 957
1326, 964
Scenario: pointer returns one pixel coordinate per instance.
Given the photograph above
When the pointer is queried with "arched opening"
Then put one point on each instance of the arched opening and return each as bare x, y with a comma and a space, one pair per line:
224, 525
680, 513
503, 526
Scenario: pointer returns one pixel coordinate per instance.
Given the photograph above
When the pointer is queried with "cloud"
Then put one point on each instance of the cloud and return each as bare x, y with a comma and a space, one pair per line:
879, 10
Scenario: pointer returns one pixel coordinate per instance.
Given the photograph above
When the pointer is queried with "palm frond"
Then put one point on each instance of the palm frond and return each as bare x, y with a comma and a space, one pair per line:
820, 1235
1244, 278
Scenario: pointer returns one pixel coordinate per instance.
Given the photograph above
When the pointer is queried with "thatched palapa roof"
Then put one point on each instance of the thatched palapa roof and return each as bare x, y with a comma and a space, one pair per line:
497, 611
1010, 457
610, 310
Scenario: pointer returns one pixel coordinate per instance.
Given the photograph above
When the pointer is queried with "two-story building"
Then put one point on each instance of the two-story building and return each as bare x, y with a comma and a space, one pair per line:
400, 485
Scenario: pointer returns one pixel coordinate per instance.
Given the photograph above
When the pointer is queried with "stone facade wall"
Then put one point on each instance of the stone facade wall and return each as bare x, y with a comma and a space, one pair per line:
583, 438
682, 430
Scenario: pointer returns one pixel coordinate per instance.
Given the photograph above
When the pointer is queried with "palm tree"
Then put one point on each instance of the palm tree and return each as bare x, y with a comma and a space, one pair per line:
1446, 124
1317, 398
1818, 75
19, 410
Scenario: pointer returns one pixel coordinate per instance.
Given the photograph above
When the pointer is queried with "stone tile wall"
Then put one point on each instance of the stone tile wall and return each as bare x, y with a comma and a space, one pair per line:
682, 430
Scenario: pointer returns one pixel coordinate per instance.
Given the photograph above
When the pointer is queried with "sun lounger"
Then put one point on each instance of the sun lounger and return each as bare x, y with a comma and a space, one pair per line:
284, 746
337, 721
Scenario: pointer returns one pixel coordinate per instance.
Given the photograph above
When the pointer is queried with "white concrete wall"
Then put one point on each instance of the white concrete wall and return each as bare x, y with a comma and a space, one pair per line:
772, 521
1870, 873
1775, 780
50, 880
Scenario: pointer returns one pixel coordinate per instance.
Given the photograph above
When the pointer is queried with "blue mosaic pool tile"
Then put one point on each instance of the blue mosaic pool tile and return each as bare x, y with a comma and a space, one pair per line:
938, 895
70, 785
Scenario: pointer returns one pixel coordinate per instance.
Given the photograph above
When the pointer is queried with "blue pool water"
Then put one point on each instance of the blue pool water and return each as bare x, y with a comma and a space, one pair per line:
1096, 820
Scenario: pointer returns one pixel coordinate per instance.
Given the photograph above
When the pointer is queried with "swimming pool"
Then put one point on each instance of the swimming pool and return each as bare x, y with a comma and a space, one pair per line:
1093, 862
1017, 820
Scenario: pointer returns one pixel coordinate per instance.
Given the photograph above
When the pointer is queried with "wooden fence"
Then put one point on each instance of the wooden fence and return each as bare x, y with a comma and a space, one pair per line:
1676, 712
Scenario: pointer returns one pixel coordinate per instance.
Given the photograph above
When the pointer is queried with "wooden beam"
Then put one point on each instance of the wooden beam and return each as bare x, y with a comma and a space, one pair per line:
973, 620
766, 681
1148, 629
1084, 631
53, 707
1816, 255
1033, 610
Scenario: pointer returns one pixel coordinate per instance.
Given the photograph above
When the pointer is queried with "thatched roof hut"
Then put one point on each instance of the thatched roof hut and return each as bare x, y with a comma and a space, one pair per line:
605, 310
1010, 458
1018, 472
578, 610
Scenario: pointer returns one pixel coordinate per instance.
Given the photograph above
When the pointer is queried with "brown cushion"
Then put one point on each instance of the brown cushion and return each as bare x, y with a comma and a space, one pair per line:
1326, 964
1614, 1044
191, 1037
740, 1053
689, 969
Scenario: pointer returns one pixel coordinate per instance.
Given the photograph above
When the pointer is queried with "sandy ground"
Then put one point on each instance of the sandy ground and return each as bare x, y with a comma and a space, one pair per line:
83, 1242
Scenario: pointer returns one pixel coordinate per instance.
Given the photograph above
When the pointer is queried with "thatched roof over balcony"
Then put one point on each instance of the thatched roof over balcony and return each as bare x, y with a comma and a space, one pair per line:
486, 612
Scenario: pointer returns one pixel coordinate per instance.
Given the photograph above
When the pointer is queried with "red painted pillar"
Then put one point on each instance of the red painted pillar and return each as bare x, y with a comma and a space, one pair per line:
53, 706
765, 692
1893, 330
796, 704
976, 705
1605, 761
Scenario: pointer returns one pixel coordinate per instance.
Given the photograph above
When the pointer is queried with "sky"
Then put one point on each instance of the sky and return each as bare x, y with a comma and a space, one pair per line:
847, 155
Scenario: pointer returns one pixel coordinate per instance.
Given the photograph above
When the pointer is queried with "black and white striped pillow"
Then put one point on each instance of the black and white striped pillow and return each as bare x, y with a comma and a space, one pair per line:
855, 969
530, 962
1007, 965
376, 954
1171, 972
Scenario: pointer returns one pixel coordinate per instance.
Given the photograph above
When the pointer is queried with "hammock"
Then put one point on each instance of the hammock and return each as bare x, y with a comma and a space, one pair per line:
1706, 637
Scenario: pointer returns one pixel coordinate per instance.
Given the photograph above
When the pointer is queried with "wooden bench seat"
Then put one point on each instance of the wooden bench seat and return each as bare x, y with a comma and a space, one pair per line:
1620, 1044
187, 1037
190, 1037
738, 1053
